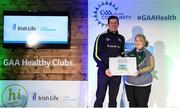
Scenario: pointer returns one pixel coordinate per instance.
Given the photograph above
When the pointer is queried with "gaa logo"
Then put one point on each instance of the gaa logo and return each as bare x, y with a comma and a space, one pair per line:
103, 11
14, 95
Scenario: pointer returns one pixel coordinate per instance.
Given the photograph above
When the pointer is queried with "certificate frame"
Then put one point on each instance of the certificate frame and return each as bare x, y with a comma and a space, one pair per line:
120, 66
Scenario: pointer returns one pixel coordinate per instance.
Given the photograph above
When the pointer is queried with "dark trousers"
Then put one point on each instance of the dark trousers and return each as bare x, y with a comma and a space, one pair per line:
102, 84
138, 96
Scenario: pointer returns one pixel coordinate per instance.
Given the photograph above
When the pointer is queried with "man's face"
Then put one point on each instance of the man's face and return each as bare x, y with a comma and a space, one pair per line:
113, 25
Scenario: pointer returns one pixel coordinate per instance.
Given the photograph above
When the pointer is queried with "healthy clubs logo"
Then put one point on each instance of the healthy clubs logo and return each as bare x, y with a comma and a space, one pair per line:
14, 95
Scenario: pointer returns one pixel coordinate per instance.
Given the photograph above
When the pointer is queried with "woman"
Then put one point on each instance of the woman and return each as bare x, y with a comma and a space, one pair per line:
138, 87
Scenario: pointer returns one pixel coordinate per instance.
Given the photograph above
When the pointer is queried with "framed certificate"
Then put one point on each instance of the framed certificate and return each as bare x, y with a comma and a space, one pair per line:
122, 65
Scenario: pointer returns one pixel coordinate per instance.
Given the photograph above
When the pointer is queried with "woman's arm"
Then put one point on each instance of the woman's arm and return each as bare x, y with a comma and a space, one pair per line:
148, 68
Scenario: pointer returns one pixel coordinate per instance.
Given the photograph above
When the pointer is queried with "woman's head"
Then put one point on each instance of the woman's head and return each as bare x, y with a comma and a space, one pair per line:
140, 41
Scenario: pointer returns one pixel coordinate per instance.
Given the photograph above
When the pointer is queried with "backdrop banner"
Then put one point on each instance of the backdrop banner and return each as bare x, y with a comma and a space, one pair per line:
159, 21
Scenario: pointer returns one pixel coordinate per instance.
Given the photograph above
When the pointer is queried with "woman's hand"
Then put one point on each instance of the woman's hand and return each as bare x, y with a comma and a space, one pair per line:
108, 73
136, 74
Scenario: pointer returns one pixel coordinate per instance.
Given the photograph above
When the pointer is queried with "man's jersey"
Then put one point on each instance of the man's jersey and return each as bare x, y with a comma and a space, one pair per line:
108, 44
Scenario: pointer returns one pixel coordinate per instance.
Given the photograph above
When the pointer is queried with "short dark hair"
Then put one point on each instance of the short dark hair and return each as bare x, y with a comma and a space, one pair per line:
113, 17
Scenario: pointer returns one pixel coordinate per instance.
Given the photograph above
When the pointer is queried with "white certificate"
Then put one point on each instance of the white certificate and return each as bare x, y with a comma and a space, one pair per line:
122, 65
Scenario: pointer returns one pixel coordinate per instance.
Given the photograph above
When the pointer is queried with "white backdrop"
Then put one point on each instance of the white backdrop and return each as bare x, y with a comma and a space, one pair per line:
159, 21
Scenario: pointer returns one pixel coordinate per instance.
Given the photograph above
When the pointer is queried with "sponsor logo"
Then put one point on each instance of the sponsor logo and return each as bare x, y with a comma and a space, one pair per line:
119, 40
14, 27
113, 46
122, 67
14, 95
108, 39
40, 97
104, 10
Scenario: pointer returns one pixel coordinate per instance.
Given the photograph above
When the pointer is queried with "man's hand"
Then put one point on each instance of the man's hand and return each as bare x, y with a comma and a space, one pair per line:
108, 73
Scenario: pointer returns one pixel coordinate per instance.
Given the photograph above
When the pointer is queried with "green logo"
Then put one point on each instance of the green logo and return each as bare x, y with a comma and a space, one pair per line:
14, 95
122, 67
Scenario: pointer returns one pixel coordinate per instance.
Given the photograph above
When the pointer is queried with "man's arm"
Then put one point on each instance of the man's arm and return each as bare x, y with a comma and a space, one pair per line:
122, 47
98, 51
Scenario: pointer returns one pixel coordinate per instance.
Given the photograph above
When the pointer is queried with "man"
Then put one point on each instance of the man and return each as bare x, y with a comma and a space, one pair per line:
108, 44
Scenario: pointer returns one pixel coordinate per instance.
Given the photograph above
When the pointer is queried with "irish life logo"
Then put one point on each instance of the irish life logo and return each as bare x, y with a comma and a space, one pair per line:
14, 95
14, 27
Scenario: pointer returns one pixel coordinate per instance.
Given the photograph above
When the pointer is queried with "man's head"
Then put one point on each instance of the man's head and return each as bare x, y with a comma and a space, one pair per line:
113, 23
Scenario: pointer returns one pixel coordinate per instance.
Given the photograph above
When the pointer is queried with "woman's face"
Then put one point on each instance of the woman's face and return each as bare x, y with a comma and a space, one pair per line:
139, 42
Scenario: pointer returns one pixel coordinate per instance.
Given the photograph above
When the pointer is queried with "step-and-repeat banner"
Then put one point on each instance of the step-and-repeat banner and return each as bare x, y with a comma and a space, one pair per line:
159, 22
